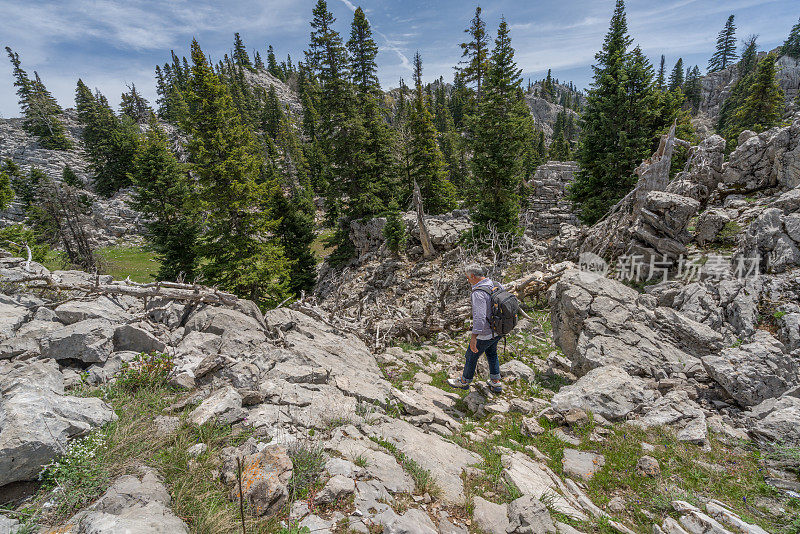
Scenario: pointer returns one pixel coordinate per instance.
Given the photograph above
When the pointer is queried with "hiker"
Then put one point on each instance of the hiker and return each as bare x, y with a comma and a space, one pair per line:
483, 338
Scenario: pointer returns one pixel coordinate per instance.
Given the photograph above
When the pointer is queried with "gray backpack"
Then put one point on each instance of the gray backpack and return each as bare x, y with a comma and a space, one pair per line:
503, 309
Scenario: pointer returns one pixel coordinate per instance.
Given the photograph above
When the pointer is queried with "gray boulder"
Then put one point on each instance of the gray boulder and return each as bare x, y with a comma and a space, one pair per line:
782, 423
414, 521
338, 487
89, 341
224, 406
768, 159
102, 308
8, 525
38, 419
703, 170
528, 515
772, 237
517, 369
132, 338
490, 517
267, 469
582, 464
12, 317
607, 391
131, 505
755, 371
599, 322
709, 224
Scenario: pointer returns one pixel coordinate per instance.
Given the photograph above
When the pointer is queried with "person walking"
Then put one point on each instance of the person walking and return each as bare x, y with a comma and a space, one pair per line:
483, 339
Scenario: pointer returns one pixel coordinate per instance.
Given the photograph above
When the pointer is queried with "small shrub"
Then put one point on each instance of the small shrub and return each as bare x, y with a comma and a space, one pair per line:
146, 371
78, 475
727, 236
307, 462
395, 230
13, 238
70, 178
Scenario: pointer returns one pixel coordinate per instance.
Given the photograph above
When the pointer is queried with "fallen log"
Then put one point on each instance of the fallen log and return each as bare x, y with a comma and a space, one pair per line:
169, 290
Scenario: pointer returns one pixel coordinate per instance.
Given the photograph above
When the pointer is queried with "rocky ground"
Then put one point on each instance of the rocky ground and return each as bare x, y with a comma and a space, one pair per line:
334, 437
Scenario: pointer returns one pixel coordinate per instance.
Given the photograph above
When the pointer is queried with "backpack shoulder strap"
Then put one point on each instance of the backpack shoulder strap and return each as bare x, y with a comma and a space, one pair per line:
484, 290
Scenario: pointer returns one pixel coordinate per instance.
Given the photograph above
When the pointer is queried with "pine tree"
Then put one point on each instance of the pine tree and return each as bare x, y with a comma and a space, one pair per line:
272, 64
693, 88
341, 132
237, 249
725, 54
643, 113
317, 163
170, 83
40, 109
559, 149
749, 56
426, 163
676, 78
763, 106
499, 132
69, 177
548, 88
296, 230
617, 123
476, 52
459, 98
378, 178
111, 142
363, 51
395, 229
240, 56
27, 187
6, 192
135, 106
162, 191
258, 63
661, 78
791, 46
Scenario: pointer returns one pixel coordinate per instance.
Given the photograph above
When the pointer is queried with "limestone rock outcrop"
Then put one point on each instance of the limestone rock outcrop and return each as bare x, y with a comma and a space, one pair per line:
38, 418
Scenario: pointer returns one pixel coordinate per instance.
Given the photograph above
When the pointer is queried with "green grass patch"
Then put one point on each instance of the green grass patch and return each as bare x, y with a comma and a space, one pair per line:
307, 461
122, 262
318, 247
423, 479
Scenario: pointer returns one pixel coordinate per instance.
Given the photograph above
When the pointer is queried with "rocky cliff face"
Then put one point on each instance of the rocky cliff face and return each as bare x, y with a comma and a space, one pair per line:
717, 86
547, 208
113, 222
288, 97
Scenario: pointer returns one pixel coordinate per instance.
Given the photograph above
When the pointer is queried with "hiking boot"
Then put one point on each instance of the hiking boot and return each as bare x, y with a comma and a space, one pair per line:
458, 383
495, 385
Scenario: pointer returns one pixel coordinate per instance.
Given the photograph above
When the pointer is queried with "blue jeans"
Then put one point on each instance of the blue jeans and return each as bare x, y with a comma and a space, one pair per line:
489, 346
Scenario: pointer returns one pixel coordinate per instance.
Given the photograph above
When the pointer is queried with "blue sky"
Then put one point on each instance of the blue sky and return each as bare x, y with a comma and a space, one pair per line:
111, 43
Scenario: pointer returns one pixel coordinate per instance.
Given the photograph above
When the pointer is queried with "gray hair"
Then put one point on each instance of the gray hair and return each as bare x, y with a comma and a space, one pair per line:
475, 270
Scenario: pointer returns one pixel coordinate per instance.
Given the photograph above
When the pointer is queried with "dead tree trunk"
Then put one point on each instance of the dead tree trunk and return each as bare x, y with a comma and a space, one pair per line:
609, 236
653, 173
424, 237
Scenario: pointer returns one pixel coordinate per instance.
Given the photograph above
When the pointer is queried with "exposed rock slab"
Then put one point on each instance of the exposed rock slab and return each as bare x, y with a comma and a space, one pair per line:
533, 479
38, 419
131, 505
608, 391
755, 371
90, 341
443, 459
